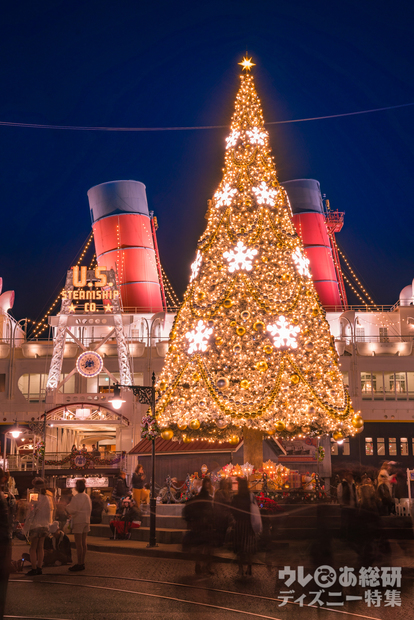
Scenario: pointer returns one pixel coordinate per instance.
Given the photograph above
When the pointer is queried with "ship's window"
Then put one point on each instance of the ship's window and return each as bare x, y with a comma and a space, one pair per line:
410, 385
366, 385
378, 385
383, 333
33, 387
389, 385
103, 383
369, 446
380, 446
404, 446
392, 446
400, 384
360, 334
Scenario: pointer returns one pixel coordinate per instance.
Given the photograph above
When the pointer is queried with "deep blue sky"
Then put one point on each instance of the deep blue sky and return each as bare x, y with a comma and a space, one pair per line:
136, 63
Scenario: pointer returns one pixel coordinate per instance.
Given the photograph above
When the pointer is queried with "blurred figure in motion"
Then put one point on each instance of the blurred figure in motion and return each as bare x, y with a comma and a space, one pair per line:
384, 492
245, 543
347, 498
5, 542
223, 518
199, 514
367, 522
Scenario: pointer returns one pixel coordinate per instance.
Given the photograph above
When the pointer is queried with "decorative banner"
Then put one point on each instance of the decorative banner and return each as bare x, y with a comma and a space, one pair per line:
89, 482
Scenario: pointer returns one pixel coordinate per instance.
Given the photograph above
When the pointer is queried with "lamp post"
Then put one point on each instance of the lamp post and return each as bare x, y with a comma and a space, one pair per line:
146, 396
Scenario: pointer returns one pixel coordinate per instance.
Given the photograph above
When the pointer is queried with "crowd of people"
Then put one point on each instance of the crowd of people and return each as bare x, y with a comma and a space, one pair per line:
214, 518
363, 502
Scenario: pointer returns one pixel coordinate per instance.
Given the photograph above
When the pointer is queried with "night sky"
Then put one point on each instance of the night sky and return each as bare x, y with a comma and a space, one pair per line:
169, 64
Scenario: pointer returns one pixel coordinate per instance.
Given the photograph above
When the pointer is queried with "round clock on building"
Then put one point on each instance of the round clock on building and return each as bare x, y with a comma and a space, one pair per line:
89, 364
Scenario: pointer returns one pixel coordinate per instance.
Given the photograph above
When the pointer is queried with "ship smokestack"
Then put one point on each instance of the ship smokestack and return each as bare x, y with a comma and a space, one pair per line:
124, 241
309, 221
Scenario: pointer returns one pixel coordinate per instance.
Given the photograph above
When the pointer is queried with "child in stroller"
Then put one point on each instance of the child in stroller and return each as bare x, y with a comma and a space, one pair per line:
125, 522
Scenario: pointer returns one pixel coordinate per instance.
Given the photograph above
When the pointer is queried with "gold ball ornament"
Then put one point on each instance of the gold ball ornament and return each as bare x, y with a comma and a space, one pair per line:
186, 439
357, 422
264, 259
280, 426
222, 383
359, 430
259, 326
201, 295
244, 384
196, 377
337, 436
237, 348
219, 341
262, 366
167, 434
234, 439
309, 346
181, 425
221, 424
181, 402
194, 425
271, 431
306, 430
315, 311
227, 303
233, 324
290, 427
268, 349
240, 331
162, 386
294, 379
245, 315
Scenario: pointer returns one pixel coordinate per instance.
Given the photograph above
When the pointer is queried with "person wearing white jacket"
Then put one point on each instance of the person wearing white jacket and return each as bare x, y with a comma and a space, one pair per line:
80, 508
37, 527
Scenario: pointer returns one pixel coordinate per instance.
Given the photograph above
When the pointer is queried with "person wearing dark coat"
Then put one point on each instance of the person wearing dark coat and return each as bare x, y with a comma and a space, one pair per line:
245, 543
120, 490
199, 514
223, 518
57, 547
98, 507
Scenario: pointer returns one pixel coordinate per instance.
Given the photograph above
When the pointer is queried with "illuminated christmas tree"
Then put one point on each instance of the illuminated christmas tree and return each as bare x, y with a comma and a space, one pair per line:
250, 346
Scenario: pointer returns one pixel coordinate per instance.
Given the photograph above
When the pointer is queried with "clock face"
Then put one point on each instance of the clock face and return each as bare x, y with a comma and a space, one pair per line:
89, 364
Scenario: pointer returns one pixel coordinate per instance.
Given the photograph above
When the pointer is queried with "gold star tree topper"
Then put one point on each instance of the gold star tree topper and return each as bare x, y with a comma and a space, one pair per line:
247, 64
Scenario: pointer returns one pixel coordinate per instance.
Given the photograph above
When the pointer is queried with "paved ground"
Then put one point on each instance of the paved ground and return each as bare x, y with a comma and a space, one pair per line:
125, 586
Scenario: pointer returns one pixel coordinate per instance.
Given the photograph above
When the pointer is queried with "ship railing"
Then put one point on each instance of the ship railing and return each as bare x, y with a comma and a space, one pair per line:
66, 460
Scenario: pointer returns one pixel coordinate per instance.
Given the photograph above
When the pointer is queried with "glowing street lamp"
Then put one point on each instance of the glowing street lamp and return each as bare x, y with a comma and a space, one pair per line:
116, 401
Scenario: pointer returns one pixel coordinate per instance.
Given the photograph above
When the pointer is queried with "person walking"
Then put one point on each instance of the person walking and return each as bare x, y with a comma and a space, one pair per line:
138, 480
245, 541
37, 526
80, 509
199, 514
223, 518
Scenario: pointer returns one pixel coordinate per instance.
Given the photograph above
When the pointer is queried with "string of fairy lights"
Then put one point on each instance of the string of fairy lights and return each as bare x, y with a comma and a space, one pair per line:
355, 277
38, 327
172, 300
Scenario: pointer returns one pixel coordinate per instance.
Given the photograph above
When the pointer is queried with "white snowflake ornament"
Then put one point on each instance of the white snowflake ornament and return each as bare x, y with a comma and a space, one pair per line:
198, 337
256, 136
195, 267
265, 195
241, 258
224, 196
301, 262
284, 334
232, 139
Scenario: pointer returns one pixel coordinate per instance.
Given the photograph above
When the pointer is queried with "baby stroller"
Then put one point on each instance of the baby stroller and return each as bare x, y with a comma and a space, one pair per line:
124, 523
